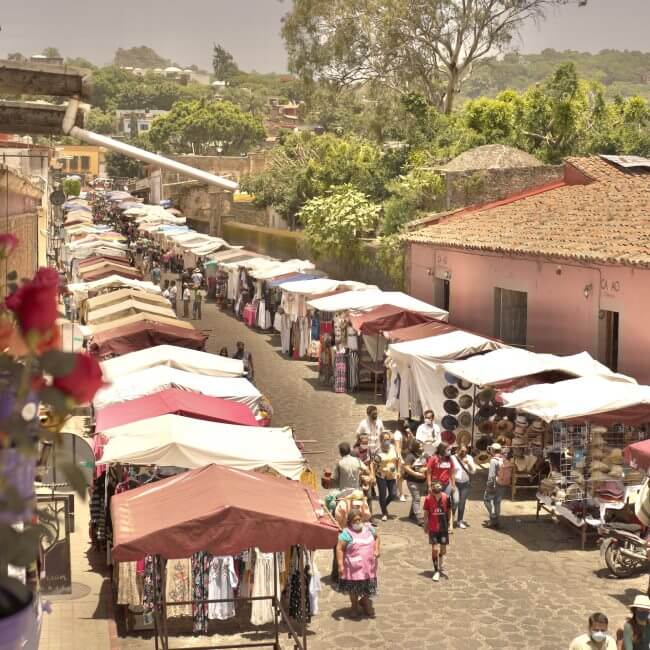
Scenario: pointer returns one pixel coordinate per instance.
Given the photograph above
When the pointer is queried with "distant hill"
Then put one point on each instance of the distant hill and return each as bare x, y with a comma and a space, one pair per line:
621, 72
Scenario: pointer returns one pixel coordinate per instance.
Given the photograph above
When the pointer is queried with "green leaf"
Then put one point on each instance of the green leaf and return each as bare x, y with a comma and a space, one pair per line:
76, 478
57, 363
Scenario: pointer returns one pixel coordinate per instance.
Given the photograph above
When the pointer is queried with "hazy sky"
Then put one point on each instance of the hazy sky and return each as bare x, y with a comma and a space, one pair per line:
184, 30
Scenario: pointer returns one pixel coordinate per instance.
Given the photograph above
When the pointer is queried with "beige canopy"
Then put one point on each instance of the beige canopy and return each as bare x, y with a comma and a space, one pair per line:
125, 308
136, 318
100, 302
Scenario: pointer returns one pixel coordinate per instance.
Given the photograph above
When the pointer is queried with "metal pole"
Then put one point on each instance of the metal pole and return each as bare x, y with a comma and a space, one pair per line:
303, 595
155, 615
275, 602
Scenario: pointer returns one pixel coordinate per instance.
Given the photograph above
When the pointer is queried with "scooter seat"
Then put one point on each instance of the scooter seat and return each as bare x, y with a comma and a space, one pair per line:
632, 528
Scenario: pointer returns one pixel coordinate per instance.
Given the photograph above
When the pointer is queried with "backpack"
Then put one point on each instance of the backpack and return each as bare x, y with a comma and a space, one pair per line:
504, 473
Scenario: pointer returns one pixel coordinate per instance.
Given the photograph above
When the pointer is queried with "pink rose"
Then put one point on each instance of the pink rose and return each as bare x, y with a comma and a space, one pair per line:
84, 380
34, 303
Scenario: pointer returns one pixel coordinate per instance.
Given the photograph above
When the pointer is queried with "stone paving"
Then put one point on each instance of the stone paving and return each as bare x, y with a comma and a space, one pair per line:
527, 585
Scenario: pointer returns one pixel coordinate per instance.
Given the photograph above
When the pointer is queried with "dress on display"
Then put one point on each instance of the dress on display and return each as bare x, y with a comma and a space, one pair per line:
262, 610
340, 372
222, 581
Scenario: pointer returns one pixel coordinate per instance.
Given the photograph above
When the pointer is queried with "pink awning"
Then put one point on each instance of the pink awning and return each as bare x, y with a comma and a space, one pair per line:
219, 510
384, 318
639, 452
175, 401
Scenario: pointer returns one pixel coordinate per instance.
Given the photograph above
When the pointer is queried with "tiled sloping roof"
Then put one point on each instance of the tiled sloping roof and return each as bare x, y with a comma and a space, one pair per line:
607, 221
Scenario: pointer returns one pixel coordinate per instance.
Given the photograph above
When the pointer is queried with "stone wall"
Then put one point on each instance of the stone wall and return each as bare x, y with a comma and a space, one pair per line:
485, 186
20, 202
285, 244
234, 166
203, 205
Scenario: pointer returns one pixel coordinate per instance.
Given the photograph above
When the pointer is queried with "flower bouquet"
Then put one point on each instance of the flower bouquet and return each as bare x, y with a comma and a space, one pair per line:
34, 374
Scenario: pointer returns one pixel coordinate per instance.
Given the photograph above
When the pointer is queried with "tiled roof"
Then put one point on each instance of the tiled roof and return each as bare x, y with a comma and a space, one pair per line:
605, 221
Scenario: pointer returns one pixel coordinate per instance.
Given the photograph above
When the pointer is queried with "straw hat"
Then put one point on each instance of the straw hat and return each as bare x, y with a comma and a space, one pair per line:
451, 392
486, 427
495, 447
482, 457
521, 421
465, 419
465, 401
617, 471
597, 453
463, 384
615, 456
599, 476
598, 466
537, 427
451, 407
597, 439
464, 438
518, 441
641, 602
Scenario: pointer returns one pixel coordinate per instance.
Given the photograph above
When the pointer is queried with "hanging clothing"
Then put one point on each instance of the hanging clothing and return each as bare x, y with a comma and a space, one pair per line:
315, 328
200, 582
262, 610
129, 585
152, 585
353, 370
222, 581
179, 586
314, 586
294, 594
340, 372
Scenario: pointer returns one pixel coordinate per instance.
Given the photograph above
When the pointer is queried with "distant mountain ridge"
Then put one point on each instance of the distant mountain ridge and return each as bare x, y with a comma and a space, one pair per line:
621, 72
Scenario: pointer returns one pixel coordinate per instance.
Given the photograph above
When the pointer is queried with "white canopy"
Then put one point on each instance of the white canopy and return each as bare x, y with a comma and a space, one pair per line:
126, 307
510, 363
283, 268
194, 361
361, 300
419, 364
177, 441
151, 380
97, 251
577, 398
94, 241
250, 263
214, 244
316, 286
112, 281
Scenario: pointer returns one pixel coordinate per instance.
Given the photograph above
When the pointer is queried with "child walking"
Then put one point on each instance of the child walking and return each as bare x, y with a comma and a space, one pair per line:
437, 509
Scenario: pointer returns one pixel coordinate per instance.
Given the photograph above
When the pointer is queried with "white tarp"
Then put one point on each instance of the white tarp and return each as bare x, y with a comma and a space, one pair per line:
576, 398
511, 363
92, 241
283, 268
152, 380
250, 263
177, 441
126, 307
99, 302
112, 281
361, 300
313, 287
420, 367
200, 363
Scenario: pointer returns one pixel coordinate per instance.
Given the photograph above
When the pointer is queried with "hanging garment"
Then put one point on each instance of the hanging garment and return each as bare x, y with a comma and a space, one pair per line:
129, 585
179, 586
262, 610
294, 594
304, 337
353, 370
314, 586
315, 328
352, 339
200, 581
151, 588
277, 322
285, 333
222, 581
340, 372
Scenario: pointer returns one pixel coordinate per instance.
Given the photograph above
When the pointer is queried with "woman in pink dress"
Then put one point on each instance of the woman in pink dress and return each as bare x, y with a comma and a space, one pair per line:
357, 554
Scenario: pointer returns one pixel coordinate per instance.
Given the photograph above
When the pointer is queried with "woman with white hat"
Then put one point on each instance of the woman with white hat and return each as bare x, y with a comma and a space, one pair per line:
636, 631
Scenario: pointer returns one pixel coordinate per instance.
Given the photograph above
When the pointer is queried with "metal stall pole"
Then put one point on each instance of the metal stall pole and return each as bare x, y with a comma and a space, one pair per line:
275, 602
303, 595
473, 418
163, 591
155, 606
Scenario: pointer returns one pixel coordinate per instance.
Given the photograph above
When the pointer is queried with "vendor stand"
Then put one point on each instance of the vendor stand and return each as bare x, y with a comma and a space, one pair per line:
591, 419
228, 511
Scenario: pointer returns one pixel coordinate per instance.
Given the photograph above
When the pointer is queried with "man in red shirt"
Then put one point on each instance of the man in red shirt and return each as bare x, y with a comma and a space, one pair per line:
441, 468
437, 508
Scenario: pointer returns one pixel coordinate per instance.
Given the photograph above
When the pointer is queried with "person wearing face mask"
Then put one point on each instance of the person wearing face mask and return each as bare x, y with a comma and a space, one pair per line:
636, 631
373, 426
428, 431
361, 450
441, 468
384, 472
437, 510
464, 468
357, 554
416, 478
596, 638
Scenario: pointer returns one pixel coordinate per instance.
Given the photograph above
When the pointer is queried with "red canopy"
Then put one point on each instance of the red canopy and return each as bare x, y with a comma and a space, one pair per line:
112, 269
639, 452
89, 261
386, 317
144, 334
421, 331
179, 402
219, 510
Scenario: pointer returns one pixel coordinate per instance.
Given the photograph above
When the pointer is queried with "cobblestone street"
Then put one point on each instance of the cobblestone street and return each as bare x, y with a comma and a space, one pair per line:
526, 586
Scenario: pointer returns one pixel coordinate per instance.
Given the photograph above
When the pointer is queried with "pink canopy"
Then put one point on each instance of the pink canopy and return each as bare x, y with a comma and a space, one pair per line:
175, 401
385, 317
639, 452
219, 510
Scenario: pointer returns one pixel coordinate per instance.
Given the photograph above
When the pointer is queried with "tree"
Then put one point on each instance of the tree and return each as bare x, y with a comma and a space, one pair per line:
424, 45
139, 57
223, 63
121, 166
51, 53
99, 121
204, 127
80, 62
335, 223
72, 187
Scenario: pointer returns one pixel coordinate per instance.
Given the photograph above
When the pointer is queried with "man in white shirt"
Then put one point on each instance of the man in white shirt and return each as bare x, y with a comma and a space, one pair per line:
597, 637
372, 426
187, 295
428, 431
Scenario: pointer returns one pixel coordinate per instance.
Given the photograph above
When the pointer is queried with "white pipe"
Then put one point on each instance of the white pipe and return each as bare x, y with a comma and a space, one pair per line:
69, 128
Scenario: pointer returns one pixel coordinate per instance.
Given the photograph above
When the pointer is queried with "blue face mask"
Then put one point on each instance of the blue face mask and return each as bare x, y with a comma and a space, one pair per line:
641, 616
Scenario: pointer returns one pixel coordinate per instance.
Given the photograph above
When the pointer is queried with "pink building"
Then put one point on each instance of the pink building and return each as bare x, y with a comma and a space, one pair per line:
562, 268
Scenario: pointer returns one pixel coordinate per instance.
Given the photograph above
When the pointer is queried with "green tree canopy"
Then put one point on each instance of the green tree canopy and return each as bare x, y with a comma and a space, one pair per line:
205, 127
80, 62
140, 57
99, 121
51, 52
223, 63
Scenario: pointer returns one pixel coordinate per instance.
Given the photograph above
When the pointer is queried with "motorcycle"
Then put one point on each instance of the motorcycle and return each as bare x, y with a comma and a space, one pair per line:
622, 549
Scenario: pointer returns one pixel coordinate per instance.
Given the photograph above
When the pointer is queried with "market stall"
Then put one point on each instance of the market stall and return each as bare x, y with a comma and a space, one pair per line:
591, 419
140, 317
152, 380
118, 296
112, 282
127, 307
229, 512
144, 333
111, 269
200, 363
174, 401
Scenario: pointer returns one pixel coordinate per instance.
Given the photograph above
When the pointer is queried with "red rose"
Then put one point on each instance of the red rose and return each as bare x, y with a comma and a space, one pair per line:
84, 380
34, 303
7, 244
